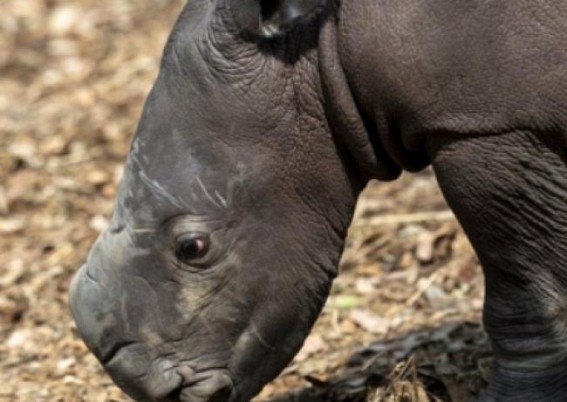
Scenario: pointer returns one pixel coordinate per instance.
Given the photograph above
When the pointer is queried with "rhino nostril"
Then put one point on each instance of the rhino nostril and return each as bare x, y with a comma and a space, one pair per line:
114, 350
222, 395
175, 395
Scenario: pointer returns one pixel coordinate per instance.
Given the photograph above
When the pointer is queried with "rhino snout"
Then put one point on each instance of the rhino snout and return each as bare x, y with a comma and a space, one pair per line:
87, 306
133, 365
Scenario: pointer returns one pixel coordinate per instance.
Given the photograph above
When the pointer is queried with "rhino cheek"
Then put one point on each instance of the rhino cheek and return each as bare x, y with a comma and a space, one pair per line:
254, 362
272, 338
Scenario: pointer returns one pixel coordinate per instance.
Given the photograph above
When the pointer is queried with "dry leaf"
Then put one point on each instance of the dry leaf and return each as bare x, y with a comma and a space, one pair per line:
313, 344
369, 321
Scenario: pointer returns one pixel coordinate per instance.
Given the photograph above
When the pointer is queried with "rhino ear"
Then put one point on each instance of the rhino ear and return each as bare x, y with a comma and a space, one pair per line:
271, 18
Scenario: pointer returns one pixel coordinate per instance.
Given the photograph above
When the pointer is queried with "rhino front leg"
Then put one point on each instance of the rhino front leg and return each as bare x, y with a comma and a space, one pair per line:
510, 194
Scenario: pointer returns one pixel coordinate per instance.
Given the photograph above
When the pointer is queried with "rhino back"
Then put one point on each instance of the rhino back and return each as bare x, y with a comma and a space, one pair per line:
462, 66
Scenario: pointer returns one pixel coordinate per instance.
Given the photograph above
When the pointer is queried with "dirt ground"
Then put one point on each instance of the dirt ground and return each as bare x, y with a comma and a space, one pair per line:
402, 323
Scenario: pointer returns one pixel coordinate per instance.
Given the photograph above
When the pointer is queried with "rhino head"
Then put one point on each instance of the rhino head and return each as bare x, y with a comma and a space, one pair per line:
233, 208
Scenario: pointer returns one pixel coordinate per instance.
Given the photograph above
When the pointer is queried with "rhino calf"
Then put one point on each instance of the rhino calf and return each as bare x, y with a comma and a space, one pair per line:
266, 121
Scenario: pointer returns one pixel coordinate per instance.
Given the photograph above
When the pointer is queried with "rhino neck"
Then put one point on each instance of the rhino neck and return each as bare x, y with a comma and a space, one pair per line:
351, 128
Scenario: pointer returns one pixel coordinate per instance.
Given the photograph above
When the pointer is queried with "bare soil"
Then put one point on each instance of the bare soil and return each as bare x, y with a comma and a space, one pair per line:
403, 320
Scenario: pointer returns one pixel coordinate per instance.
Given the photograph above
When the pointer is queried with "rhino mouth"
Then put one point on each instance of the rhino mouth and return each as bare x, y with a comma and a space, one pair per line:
208, 386
164, 380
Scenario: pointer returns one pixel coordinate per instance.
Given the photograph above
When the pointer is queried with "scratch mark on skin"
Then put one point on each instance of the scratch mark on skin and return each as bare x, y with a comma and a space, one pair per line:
207, 193
160, 190
176, 60
136, 152
143, 230
221, 199
254, 331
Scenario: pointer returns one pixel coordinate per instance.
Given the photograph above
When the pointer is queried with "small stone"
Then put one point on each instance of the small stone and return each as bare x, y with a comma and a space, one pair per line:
424, 249
66, 363
11, 225
99, 223
97, 177
63, 20
18, 338
24, 149
364, 286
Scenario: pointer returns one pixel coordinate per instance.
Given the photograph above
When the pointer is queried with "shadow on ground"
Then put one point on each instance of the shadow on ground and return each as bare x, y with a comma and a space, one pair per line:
450, 362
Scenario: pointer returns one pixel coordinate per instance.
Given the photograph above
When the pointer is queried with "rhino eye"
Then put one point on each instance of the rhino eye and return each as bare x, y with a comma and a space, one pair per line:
191, 247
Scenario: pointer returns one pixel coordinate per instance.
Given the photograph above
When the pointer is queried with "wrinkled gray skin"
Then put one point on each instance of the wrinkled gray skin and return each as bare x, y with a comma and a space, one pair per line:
266, 121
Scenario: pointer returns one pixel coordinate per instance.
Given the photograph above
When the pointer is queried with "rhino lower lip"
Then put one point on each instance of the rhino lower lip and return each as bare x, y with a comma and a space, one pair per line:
212, 385
186, 395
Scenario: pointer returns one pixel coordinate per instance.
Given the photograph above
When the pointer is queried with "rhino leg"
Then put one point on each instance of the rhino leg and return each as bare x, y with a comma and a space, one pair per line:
509, 192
